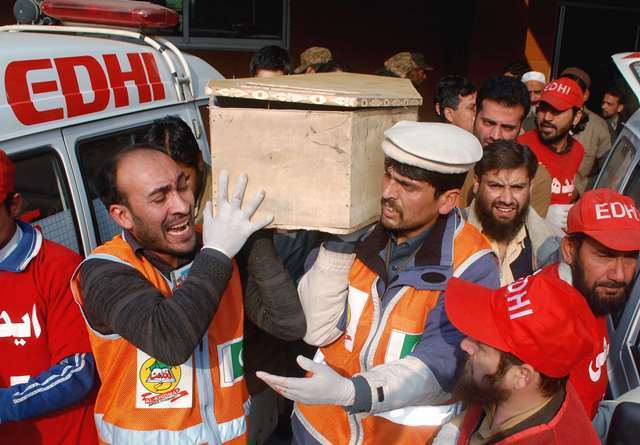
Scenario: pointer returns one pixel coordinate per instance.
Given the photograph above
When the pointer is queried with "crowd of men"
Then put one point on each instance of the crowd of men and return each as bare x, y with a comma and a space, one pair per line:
473, 312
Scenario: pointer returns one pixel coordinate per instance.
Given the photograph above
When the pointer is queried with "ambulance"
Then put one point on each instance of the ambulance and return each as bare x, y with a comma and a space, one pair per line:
73, 93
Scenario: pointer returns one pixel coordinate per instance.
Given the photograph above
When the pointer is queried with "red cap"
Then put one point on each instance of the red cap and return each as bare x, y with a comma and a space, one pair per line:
608, 217
540, 319
562, 94
7, 175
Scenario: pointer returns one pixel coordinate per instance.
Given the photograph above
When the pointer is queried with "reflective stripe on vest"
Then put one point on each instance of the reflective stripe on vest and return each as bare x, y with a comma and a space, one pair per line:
421, 415
196, 434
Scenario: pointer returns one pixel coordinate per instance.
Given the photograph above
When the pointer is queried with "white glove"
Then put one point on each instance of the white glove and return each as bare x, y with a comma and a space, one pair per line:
231, 227
557, 215
324, 387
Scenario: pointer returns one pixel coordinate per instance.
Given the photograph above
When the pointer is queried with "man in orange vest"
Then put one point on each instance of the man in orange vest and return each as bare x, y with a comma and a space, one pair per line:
388, 354
166, 321
523, 341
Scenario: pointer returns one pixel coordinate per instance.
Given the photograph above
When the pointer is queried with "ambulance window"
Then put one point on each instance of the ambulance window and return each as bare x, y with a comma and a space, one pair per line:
617, 165
47, 203
91, 153
633, 188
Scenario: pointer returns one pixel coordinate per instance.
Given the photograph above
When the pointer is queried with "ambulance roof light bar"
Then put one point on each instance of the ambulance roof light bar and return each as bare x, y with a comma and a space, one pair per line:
126, 13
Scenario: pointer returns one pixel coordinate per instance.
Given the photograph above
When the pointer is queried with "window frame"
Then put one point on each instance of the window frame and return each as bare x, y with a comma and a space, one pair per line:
63, 180
186, 41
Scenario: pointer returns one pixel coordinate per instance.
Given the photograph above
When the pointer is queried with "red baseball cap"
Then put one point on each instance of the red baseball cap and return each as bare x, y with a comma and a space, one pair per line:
608, 217
562, 94
540, 319
7, 175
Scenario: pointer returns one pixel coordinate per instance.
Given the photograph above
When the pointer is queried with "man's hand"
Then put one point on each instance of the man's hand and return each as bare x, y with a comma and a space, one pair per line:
231, 227
557, 215
324, 387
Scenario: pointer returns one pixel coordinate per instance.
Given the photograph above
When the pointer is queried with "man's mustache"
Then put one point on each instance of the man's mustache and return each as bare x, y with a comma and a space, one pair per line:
390, 202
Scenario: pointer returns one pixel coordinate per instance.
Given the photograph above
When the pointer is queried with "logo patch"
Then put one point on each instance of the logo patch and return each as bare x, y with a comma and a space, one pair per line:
400, 344
163, 386
231, 362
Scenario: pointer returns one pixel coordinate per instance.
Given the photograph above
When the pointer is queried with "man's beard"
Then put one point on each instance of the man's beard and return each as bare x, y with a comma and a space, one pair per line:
497, 229
560, 133
599, 305
151, 239
486, 393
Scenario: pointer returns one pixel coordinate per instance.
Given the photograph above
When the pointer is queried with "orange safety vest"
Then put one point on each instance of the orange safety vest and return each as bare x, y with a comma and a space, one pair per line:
143, 400
374, 336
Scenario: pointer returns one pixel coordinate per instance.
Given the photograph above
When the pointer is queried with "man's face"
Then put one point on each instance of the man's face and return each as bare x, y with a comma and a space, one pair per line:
465, 114
602, 275
481, 378
496, 121
535, 91
408, 206
8, 218
502, 202
192, 176
159, 207
269, 73
610, 106
554, 125
417, 76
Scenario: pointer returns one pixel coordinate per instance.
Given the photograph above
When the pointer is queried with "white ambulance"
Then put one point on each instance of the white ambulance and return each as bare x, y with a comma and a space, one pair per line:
72, 95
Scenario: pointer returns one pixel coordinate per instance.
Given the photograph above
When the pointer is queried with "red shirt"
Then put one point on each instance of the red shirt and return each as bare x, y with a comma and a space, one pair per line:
562, 167
47, 326
589, 377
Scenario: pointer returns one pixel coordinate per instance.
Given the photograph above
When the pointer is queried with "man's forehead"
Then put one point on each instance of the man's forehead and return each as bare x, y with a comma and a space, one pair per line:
507, 175
146, 170
499, 111
594, 244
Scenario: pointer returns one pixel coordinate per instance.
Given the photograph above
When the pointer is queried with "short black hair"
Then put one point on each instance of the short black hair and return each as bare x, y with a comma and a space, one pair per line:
505, 90
441, 182
504, 154
617, 92
105, 185
332, 66
449, 89
271, 58
517, 67
176, 138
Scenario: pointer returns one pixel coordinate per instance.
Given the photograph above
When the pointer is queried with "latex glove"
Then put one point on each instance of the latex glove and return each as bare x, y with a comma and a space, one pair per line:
324, 387
557, 215
231, 227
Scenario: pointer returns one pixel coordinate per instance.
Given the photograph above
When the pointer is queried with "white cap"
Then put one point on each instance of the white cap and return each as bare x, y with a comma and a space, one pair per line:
533, 75
437, 147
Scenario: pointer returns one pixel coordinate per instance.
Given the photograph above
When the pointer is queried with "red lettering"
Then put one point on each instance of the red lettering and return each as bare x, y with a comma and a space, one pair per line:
18, 96
76, 106
117, 78
154, 76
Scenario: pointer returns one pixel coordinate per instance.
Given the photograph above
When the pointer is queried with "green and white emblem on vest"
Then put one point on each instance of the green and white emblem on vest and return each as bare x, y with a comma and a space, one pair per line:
231, 362
400, 344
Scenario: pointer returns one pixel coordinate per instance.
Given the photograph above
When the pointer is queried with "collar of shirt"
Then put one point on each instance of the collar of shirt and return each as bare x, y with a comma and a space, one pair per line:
397, 256
485, 431
11, 245
155, 260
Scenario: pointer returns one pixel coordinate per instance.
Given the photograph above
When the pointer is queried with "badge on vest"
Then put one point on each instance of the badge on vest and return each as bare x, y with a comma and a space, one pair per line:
230, 362
163, 386
400, 344
355, 305
179, 275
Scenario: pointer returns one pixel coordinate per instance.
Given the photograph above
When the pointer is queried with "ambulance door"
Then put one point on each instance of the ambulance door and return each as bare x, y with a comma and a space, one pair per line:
91, 143
45, 180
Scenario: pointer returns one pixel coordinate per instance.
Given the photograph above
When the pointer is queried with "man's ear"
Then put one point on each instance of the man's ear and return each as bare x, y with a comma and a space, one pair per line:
448, 114
587, 94
15, 208
620, 108
476, 184
523, 376
121, 215
448, 200
568, 250
577, 117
